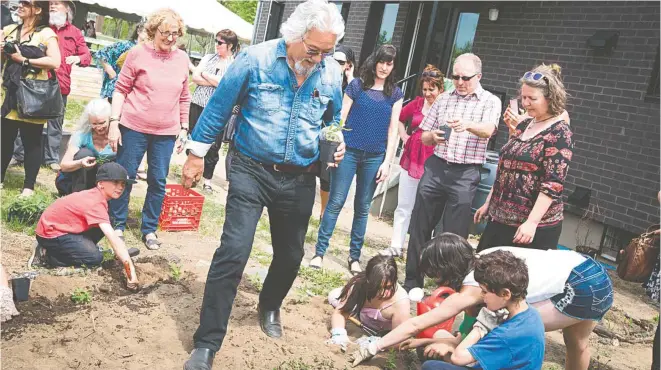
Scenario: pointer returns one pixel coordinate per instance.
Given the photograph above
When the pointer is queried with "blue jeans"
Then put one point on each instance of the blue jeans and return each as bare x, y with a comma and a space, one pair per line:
364, 166
440, 365
159, 150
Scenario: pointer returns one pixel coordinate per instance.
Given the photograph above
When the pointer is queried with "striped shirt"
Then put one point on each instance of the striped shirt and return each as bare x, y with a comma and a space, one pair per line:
481, 107
215, 65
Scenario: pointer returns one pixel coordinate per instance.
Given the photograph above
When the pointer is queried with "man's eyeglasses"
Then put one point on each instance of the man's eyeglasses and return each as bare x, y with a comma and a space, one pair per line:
535, 76
463, 78
432, 74
314, 53
221, 42
168, 34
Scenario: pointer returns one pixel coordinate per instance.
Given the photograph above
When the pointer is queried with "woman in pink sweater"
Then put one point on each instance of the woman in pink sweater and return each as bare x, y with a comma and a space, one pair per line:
149, 113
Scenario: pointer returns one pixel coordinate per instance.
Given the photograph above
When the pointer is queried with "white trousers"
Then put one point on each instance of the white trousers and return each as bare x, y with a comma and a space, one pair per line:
405, 201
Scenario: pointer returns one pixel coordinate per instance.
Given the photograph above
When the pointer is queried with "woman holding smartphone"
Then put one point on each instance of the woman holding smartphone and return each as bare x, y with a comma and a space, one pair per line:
525, 207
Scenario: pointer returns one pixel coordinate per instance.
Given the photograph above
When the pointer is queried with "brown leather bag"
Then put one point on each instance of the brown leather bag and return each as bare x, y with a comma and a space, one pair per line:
637, 260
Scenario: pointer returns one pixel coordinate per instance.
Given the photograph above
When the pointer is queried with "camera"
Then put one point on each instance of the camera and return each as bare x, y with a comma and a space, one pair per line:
10, 47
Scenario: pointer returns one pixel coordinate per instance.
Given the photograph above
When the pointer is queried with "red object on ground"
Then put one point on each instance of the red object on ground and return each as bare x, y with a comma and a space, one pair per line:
431, 302
182, 209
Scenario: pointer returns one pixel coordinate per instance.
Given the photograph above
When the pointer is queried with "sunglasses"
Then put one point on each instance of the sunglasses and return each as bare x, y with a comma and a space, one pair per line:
221, 42
25, 3
463, 78
433, 74
341, 62
535, 76
314, 53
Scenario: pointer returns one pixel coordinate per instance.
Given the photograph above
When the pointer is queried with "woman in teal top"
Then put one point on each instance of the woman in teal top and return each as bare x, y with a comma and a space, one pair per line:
88, 149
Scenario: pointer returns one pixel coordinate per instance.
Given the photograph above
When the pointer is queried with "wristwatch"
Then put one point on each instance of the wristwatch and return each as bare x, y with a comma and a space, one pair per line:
26, 62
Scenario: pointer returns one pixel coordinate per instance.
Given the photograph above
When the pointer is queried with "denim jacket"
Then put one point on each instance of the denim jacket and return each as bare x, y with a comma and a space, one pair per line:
278, 122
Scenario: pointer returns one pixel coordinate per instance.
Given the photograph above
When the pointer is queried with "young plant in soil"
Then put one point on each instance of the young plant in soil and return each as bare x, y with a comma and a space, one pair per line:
81, 296
334, 132
26, 211
256, 282
320, 282
175, 271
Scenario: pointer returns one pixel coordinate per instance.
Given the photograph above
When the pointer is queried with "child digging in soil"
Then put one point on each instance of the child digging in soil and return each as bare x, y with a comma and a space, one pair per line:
70, 228
511, 339
372, 295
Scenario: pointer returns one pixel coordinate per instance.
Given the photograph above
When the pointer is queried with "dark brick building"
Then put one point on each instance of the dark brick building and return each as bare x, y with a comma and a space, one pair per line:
614, 92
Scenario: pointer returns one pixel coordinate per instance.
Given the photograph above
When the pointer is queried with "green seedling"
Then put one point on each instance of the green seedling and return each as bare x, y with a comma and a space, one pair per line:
27, 210
256, 282
334, 132
108, 255
320, 282
391, 360
175, 271
81, 296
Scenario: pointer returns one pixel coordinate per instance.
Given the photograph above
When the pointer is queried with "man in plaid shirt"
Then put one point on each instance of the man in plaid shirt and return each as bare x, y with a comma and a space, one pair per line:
453, 172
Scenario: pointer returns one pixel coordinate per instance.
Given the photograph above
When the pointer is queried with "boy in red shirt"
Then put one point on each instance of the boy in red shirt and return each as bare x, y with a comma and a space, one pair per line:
70, 228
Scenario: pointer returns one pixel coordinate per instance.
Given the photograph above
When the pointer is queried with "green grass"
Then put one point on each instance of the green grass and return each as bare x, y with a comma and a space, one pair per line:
73, 112
320, 282
81, 296
256, 282
13, 185
260, 256
299, 364
213, 216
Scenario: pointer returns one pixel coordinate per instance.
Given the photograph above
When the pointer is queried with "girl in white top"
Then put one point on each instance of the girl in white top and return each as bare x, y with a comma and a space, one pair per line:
571, 292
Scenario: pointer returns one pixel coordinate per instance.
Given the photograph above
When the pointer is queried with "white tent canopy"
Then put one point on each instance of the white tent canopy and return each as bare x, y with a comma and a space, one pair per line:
205, 15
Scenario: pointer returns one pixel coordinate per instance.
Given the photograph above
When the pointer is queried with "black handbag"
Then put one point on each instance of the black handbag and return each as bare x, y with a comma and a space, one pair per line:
40, 99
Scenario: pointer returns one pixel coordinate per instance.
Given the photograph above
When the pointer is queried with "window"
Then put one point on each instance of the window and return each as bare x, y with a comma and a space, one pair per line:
463, 39
387, 24
653, 89
275, 19
343, 7
613, 240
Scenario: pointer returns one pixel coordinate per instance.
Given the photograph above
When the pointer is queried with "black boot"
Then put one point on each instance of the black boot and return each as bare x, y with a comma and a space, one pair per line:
200, 359
269, 321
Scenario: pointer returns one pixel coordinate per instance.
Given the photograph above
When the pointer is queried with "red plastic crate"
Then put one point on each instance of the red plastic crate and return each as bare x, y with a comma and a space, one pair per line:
182, 209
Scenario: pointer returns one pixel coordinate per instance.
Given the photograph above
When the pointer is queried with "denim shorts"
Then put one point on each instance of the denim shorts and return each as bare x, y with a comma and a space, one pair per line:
588, 293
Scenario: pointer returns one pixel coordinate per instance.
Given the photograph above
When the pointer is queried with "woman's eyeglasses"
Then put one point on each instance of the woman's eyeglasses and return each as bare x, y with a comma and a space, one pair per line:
463, 78
220, 42
341, 62
168, 34
535, 76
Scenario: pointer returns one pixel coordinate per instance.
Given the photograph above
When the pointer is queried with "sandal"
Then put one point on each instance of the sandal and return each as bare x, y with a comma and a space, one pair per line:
316, 262
152, 243
354, 267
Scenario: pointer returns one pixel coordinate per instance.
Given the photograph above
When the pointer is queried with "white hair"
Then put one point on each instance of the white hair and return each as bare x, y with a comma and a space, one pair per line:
311, 14
95, 108
472, 58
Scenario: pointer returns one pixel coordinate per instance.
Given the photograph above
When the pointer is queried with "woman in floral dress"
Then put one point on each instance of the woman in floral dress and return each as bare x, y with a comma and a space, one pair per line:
525, 208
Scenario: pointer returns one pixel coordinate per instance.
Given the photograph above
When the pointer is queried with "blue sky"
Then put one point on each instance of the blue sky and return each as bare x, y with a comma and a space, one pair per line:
467, 27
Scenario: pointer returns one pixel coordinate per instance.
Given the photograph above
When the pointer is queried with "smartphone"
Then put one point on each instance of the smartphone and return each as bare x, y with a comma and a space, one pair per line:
514, 106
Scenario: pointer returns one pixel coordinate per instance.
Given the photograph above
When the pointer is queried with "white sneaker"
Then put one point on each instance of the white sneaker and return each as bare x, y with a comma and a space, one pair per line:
316, 262
391, 252
354, 267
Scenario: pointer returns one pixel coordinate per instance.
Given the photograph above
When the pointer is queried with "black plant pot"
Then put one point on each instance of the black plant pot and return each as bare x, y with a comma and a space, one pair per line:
327, 151
21, 289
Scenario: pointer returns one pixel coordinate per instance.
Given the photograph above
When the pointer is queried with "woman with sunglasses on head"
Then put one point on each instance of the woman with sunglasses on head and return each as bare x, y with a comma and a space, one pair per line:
29, 50
371, 109
150, 108
414, 156
525, 207
207, 75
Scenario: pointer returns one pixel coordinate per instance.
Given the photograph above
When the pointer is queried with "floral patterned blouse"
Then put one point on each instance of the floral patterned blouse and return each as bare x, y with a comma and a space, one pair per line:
110, 54
528, 168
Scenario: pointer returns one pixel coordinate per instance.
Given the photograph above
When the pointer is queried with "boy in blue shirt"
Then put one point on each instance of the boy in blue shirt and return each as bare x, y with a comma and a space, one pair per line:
514, 340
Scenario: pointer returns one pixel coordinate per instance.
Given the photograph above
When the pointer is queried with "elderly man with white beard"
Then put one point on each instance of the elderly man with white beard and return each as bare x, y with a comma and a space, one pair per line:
73, 51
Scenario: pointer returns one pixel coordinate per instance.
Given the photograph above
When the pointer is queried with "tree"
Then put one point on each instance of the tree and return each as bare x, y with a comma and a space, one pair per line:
383, 39
458, 50
246, 9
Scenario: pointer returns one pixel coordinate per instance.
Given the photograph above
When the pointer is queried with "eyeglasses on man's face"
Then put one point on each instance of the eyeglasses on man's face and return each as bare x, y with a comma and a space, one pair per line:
463, 78
314, 52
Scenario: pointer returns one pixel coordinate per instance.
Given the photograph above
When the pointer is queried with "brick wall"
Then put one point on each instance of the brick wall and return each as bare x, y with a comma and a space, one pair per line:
616, 129
262, 17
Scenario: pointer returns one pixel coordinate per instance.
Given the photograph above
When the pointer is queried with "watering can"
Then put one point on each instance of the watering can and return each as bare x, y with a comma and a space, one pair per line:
429, 303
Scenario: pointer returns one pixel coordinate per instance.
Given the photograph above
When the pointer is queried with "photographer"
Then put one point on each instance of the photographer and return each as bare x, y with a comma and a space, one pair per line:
31, 47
